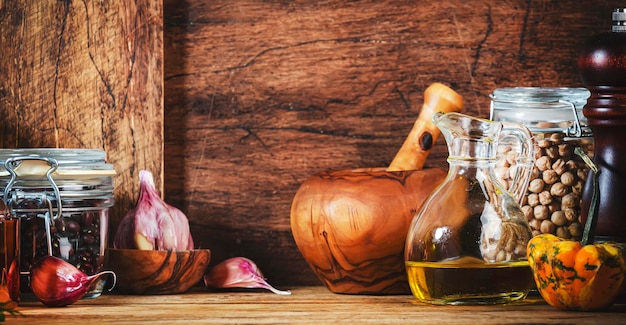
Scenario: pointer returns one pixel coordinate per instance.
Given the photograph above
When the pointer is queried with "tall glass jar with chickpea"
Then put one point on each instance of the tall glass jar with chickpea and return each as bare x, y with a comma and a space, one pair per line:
554, 115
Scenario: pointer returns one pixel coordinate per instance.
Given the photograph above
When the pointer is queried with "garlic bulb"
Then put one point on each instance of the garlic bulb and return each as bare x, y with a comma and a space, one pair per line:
153, 224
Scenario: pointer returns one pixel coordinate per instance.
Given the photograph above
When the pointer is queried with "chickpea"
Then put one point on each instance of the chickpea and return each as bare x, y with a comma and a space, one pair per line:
559, 166
512, 172
511, 157
557, 138
538, 151
501, 256
534, 173
575, 229
520, 250
501, 171
502, 150
568, 178
549, 176
528, 212
541, 212
577, 188
571, 165
552, 152
535, 224
543, 143
536, 185
558, 189
490, 255
502, 163
510, 246
547, 227
554, 206
566, 150
582, 174
557, 179
558, 218
545, 198
570, 200
543, 163
570, 214
524, 201
563, 232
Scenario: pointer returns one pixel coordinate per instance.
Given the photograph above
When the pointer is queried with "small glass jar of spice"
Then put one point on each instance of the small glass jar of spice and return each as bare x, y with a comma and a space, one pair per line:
552, 203
61, 199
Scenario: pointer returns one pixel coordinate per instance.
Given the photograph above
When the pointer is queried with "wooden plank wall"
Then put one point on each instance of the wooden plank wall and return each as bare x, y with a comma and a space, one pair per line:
85, 74
261, 94
256, 96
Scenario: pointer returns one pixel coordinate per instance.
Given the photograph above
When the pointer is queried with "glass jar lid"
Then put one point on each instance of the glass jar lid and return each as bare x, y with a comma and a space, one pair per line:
542, 109
71, 162
56, 178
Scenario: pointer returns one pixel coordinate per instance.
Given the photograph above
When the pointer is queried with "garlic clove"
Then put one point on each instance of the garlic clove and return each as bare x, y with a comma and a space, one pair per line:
153, 224
238, 272
124, 236
57, 283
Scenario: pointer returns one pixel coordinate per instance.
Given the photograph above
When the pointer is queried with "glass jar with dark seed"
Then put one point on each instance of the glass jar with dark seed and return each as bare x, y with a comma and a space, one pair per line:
61, 198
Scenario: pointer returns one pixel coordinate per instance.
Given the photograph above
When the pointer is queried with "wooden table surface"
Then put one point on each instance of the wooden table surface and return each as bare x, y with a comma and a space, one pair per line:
314, 305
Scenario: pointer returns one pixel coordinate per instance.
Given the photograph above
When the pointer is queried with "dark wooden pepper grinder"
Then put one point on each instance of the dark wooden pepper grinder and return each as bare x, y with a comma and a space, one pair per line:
602, 68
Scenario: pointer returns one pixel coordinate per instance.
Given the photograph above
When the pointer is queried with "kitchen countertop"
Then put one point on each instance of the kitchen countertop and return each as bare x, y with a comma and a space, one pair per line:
305, 305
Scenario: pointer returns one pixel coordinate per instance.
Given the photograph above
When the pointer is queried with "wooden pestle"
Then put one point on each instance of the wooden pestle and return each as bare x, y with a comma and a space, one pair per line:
413, 153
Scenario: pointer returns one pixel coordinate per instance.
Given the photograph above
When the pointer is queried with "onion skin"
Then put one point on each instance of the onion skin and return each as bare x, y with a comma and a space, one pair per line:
153, 224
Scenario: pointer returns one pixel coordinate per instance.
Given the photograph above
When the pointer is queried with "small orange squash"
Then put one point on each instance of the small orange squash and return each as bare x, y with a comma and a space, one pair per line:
572, 276
583, 275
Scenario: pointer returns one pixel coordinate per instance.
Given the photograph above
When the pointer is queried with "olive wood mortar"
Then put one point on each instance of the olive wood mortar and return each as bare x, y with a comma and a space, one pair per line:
154, 272
351, 225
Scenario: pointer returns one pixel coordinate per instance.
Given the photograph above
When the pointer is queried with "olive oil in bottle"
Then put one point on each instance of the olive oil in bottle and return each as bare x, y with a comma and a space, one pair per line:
453, 283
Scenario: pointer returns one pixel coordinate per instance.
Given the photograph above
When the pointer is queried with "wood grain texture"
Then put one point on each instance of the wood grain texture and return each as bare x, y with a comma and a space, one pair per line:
150, 272
351, 226
85, 74
261, 95
306, 305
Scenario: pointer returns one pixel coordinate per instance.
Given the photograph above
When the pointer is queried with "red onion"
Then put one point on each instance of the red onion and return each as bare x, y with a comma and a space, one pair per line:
57, 283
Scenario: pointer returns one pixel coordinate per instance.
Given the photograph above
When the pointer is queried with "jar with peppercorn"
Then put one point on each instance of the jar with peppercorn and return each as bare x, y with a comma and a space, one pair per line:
61, 199
552, 203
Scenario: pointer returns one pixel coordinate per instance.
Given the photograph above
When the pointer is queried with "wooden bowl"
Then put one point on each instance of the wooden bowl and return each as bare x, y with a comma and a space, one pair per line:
153, 272
351, 226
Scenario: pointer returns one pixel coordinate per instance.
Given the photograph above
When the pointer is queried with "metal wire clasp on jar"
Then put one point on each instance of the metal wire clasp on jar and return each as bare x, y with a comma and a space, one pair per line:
554, 115
61, 200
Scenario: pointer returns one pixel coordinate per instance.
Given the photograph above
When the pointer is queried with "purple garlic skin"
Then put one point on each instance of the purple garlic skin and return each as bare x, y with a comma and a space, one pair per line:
153, 224
238, 272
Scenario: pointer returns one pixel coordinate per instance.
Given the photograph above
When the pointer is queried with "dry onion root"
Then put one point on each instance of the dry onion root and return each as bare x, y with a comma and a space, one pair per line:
153, 224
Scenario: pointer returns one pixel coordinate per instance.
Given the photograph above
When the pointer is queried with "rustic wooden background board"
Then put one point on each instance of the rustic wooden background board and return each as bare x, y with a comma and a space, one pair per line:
256, 96
259, 95
85, 74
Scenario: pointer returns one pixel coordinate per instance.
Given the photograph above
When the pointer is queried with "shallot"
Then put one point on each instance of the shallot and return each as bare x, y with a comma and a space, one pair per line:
238, 272
57, 283
153, 224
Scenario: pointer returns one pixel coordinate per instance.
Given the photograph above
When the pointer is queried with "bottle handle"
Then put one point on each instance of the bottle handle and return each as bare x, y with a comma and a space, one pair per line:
519, 137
